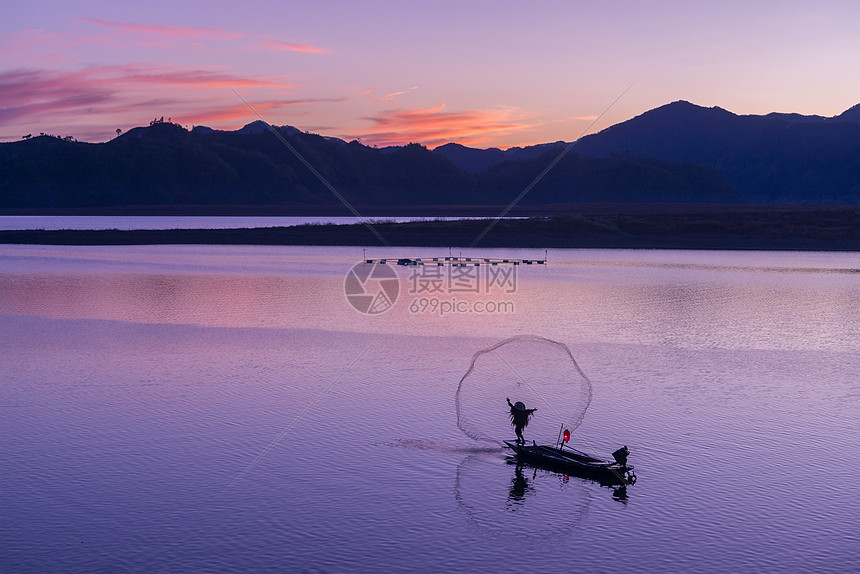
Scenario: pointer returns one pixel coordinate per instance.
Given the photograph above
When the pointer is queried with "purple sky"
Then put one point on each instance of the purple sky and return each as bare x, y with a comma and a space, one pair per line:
480, 73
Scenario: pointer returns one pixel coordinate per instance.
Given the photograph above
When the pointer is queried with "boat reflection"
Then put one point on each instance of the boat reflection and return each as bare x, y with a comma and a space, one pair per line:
527, 503
619, 491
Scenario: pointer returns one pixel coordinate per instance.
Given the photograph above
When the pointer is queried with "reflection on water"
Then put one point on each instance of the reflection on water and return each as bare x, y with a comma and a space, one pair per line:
619, 493
520, 485
139, 382
694, 300
516, 503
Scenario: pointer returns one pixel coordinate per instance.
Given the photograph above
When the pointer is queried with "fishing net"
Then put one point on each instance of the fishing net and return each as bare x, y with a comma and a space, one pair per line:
539, 372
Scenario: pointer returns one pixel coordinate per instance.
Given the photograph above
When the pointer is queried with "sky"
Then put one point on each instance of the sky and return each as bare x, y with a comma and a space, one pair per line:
483, 74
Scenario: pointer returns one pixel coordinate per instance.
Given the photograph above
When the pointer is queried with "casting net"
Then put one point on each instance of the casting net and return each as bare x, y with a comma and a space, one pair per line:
539, 372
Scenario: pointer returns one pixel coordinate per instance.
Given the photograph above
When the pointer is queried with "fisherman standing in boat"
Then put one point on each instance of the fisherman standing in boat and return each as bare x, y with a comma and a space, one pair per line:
520, 416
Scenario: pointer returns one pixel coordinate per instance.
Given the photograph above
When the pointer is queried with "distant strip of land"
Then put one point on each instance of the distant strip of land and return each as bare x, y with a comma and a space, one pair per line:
654, 227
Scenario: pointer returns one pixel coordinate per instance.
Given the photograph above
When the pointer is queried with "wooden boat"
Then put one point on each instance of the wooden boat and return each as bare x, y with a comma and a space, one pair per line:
574, 462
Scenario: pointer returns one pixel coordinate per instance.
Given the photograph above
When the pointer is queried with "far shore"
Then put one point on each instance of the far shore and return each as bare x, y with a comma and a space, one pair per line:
427, 211
815, 228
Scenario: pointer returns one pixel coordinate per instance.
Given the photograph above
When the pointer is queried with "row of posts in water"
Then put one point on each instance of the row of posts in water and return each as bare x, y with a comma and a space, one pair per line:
455, 261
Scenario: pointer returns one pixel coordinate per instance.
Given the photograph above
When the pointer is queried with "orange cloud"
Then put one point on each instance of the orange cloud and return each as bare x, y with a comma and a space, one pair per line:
239, 112
227, 113
433, 126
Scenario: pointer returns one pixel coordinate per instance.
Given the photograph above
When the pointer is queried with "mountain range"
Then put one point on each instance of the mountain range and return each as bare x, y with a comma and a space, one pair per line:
677, 153
774, 158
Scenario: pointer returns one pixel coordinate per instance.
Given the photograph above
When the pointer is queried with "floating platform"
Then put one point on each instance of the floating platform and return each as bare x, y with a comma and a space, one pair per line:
455, 261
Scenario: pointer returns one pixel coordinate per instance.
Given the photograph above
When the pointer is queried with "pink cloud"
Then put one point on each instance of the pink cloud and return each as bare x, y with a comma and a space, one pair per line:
290, 47
199, 79
29, 39
169, 33
177, 32
108, 94
66, 103
390, 97
433, 126
23, 89
21, 86
35, 46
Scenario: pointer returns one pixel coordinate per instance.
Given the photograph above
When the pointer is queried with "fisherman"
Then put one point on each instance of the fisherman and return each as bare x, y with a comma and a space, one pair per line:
520, 416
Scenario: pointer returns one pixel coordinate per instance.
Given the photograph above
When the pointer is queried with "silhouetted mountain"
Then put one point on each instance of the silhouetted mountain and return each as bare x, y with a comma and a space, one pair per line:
620, 178
164, 164
679, 152
776, 158
474, 160
852, 114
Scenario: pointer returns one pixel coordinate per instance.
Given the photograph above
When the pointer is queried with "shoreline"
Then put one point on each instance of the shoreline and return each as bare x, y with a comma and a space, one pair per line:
801, 228
429, 211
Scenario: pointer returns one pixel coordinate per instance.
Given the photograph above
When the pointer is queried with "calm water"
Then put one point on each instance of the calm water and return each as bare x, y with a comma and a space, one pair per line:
141, 384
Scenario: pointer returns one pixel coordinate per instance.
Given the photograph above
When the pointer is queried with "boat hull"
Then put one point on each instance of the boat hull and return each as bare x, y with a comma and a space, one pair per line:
574, 463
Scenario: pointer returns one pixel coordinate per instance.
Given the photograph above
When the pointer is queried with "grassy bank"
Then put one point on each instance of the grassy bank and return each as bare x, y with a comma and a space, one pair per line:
792, 228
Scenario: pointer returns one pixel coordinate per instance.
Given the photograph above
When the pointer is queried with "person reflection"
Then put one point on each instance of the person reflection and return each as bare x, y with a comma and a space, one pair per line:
519, 485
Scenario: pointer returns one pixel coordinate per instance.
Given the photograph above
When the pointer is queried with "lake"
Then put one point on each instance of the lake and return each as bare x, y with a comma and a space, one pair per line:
223, 409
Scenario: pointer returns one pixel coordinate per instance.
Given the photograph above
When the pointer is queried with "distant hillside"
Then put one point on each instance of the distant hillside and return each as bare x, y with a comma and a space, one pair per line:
776, 158
620, 178
475, 160
852, 114
166, 165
